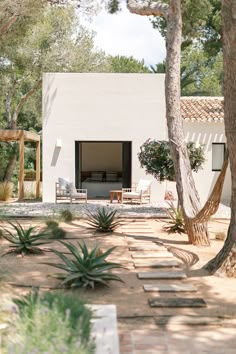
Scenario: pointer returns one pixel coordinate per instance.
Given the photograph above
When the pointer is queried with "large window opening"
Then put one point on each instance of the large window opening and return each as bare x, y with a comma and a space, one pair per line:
102, 166
218, 155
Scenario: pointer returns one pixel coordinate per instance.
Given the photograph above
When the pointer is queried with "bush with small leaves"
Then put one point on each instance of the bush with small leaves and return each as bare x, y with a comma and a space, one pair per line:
58, 233
84, 268
50, 323
51, 224
24, 241
103, 220
66, 215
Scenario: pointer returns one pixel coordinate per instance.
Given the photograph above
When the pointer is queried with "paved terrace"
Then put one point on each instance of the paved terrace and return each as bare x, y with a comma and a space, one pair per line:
37, 209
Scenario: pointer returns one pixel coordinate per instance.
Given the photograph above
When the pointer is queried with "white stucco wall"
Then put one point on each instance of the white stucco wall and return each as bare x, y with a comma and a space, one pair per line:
99, 107
206, 134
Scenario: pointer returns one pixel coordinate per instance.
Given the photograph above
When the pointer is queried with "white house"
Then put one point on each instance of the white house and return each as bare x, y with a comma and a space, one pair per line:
94, 125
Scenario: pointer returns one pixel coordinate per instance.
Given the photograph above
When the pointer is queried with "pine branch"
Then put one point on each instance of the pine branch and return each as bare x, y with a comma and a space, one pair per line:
4, 28
23, 100
147, 8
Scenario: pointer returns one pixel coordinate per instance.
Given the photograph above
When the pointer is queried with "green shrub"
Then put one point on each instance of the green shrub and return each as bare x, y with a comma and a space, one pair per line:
51, 224
155, 157
52, 323
103, 220
24, 241
58, 233
66, 215
6, 190
84, 268
176, 224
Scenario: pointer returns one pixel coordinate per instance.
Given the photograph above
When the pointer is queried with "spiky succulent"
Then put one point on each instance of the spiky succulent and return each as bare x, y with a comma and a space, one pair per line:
24, 241
84, 268
103, 220
176, 223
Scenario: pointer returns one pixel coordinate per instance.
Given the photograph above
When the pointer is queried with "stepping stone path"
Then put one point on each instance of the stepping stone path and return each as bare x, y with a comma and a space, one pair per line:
169, 288
137, 228
188, 320
176, 302
157, 264
157, 254
162, 275
148, 254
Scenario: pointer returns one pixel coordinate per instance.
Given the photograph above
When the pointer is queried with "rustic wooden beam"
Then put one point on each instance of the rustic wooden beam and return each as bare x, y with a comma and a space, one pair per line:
37, 169
15, 135
21, 166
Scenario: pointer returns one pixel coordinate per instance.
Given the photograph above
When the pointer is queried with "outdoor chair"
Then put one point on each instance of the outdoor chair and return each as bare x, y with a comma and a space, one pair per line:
140, 192
65, 190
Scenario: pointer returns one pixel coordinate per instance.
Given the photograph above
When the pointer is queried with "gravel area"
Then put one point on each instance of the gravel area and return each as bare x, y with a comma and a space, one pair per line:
39, 209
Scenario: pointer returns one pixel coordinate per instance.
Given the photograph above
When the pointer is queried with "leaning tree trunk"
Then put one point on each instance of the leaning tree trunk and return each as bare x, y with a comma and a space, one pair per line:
225, 260
187, 193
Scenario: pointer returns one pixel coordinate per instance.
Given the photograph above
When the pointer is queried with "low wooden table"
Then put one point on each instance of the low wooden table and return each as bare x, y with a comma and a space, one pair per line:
118, 194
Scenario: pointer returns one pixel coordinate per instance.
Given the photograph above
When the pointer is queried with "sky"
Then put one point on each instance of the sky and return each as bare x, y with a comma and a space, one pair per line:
128, 34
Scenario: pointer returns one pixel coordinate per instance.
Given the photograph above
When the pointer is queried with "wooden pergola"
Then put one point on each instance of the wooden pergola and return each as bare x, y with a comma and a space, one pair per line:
21, 136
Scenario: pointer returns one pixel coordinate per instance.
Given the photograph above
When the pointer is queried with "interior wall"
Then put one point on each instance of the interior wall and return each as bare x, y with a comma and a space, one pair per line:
101, 156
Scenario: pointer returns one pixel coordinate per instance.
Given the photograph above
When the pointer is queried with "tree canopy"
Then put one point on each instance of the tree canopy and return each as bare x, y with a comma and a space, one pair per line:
123, 64
155, 158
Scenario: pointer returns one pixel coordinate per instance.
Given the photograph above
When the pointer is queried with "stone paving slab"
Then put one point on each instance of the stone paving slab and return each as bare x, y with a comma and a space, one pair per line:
169, 287
191, 340
188, 320
176, 302
157, 264
162, 275
147, 248
158, 254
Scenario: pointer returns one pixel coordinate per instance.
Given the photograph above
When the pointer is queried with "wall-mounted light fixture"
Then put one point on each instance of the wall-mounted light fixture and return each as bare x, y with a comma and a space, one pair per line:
58, 143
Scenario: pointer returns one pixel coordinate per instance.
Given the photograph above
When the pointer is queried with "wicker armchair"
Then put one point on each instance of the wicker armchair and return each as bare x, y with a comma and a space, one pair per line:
140, 192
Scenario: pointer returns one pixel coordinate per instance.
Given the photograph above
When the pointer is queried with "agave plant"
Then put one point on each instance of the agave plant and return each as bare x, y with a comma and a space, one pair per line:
24, 240
103, 220
176, 224
84, 268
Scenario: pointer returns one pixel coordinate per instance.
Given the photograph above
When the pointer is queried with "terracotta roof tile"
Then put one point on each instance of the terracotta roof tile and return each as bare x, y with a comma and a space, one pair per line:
202, 109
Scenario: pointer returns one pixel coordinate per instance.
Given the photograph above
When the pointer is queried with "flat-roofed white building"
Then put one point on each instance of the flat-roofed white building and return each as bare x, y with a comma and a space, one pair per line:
94, 125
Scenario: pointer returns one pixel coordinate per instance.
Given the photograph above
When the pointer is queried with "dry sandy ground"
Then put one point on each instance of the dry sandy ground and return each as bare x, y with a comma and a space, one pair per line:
219, 293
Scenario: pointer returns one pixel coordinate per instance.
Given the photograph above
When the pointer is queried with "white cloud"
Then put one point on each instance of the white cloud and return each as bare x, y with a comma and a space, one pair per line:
128, 34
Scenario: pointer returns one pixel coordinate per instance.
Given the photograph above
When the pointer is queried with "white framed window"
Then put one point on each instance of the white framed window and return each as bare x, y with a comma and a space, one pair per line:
218, 155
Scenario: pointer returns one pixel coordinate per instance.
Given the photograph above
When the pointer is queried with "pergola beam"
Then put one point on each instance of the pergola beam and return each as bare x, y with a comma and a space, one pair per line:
21, 136
21, 166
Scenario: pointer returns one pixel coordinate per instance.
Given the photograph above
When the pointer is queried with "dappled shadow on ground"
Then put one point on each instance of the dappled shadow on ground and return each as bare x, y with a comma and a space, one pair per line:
187, 257
131, 300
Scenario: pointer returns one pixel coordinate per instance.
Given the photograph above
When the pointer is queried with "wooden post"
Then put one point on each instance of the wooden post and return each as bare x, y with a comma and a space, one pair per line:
37, 169
21, 163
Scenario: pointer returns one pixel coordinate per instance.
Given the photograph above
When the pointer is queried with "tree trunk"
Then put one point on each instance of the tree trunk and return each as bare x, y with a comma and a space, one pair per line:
10, 167
225, 260
187, 193
12, 122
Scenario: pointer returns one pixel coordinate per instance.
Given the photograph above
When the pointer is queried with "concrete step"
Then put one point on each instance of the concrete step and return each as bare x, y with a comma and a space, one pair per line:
157, 263
169, 288
147, 248
162, 275
189, 320
158, 254
176, 302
